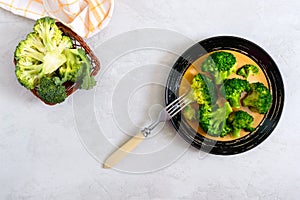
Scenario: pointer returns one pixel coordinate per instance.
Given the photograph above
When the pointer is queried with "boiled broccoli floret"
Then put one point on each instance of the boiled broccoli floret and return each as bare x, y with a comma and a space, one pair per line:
259, 99
41, 52
226, 130
247, 70
189, 113
233, 89
203, 90
77, 68
51, 90
212, 119
240, 120
220, 65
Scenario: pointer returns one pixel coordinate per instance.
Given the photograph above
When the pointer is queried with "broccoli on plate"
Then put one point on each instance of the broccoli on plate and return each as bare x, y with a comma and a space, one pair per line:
259, 99
220, 65
212, 119
247, 70
203, 90
240, 120
233, 89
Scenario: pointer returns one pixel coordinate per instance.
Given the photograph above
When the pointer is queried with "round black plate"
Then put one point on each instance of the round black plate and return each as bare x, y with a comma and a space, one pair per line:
272, 73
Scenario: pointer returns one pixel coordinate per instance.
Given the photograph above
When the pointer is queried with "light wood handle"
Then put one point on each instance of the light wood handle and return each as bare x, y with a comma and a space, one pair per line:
125, 149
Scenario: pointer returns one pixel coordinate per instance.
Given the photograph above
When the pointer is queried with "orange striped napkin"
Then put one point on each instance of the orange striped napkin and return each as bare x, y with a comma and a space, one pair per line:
85, 17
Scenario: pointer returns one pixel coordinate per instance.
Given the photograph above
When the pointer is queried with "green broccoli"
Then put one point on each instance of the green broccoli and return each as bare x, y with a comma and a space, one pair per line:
51, 90
41, 52
220, 64
77, 68
233, 89
86, 81
259, 99
247, 70
51, 36
226, 130
240, 120
212, 119
70, 70
203, 90
29, 50
28, 72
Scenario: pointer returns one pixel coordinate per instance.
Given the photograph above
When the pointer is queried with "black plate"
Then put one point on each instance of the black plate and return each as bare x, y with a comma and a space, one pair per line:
272, 73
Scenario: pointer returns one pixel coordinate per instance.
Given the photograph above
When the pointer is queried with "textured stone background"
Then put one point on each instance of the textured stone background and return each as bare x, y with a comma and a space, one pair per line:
41, 156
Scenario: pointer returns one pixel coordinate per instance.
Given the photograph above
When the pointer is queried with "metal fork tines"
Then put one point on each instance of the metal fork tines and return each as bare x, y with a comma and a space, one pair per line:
168, 112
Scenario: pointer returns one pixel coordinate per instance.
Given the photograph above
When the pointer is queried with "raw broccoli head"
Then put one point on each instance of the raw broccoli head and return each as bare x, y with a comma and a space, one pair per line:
51, 91
51, 36
42, 50
240, 120
247, 70
259, 99
203, 90
28, 72
77, 68
220, 64
28, 49
70, 70
212, 119
233, 90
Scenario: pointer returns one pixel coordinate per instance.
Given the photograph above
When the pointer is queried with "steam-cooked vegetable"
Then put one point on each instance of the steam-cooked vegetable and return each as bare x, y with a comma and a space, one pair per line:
259, 98
247, 70
220, 65
240, 120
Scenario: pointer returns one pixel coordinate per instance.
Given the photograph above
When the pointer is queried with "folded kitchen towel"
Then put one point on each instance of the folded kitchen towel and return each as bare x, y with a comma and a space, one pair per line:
85, 17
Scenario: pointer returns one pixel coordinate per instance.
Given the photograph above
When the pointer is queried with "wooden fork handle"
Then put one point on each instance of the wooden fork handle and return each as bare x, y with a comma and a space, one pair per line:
125, 149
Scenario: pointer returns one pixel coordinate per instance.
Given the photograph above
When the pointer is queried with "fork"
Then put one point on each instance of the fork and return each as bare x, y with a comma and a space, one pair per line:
165, 114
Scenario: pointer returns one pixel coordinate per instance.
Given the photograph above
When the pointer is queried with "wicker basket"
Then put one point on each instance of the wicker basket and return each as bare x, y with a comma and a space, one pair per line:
78, 42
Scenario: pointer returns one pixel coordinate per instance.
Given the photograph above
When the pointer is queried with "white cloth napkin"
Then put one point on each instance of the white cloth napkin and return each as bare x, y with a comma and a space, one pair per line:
85, 17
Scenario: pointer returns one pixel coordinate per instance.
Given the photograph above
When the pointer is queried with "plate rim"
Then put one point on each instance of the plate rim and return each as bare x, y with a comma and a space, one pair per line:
270, 120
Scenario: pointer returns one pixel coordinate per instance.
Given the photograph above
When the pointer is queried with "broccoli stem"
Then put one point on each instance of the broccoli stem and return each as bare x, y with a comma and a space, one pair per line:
218, 78
236, 133
35, 55
235, 102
